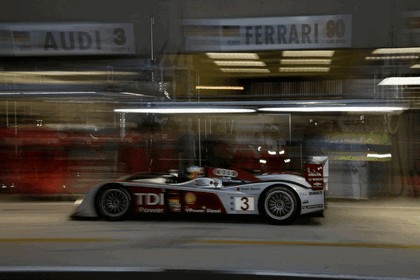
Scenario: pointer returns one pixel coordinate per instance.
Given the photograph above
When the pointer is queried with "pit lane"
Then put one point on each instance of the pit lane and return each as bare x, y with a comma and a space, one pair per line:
356, 240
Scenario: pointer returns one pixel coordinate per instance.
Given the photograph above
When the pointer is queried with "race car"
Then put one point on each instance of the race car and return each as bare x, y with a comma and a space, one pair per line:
278, 198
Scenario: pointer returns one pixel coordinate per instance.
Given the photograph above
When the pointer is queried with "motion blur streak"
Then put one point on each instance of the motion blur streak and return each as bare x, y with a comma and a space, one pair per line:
62, 240
298, 243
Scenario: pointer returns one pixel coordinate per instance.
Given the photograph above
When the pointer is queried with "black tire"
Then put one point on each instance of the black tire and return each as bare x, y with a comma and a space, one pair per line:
113, 203
279, 205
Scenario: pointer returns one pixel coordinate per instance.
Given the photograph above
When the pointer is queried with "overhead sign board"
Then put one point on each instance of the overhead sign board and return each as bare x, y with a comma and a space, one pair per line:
270, 33
47, 39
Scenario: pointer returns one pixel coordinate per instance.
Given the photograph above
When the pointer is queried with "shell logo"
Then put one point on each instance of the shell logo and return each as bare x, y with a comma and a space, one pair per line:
190, 198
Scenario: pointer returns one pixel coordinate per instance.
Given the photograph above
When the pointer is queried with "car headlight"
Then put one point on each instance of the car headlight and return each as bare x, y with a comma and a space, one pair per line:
78, 202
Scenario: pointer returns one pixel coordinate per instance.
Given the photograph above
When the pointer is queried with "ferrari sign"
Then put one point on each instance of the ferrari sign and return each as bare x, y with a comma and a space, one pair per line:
66, 39
302, 32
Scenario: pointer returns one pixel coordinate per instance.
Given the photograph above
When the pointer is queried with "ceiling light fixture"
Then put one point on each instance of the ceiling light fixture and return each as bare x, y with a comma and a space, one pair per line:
361, 109
66, 73
396, 50
315, 53
319, 61
232, 56
220, 87
180, 110
388, 155
400, 81
239, 63
392, 57
304, 69
133, 93
48, 93
244, 70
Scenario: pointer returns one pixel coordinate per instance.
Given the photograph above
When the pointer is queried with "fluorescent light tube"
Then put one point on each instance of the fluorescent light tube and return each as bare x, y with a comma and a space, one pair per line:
319, 61
232, 55
400, 81
379, 155
319, 53
47, 92
198, 110
220, 87
244, 70
239, 63
304, 69
392, 57
334, 109
396, 50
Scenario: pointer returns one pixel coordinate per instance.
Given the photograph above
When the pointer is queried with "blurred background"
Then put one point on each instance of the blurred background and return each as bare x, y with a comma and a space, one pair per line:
94, 90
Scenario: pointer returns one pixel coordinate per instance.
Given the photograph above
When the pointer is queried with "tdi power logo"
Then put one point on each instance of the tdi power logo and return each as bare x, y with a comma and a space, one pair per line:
150, 202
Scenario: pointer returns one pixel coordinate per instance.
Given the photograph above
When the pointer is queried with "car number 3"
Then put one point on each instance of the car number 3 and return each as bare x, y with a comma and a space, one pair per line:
244, 203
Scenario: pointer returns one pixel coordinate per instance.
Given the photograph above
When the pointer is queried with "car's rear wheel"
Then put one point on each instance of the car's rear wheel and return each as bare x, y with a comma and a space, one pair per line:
113, 203
279, 205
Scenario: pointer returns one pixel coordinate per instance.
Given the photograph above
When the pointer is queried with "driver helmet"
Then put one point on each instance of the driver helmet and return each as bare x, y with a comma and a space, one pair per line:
194, 172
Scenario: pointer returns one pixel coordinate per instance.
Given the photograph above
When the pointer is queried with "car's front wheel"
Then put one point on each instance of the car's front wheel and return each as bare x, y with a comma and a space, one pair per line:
113, 203
279, 205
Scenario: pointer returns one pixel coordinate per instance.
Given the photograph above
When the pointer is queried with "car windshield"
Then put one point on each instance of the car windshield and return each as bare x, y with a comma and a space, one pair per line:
191, 138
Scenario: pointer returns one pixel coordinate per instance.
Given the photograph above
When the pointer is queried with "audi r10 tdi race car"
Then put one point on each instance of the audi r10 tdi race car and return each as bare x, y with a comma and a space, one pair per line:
278, 198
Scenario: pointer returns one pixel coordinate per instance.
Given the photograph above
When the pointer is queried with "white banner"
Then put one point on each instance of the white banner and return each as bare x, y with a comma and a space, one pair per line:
272, 33
47, 39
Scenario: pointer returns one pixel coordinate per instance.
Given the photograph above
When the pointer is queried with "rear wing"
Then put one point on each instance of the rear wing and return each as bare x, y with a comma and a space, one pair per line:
316, 172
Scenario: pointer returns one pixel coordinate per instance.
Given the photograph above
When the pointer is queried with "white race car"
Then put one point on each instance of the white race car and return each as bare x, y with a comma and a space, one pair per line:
278, 198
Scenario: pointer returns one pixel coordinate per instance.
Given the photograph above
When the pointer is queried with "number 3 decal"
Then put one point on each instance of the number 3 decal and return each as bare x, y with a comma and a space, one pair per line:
120, 38
244, 203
